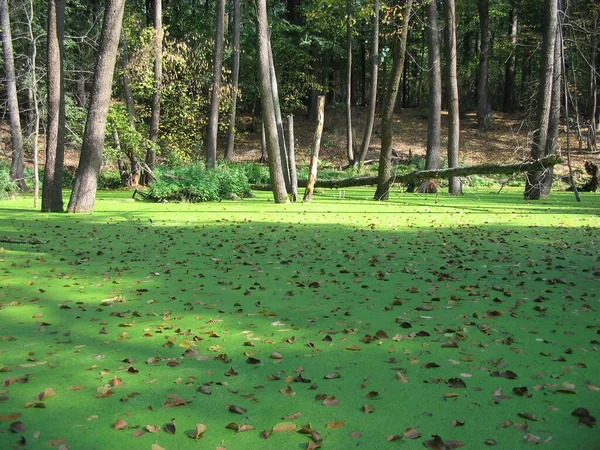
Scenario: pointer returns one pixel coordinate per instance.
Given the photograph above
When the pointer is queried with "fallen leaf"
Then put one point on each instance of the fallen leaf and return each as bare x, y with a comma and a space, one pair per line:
120, 424
284, 427
411, 433
48, 392
11, 416
585, 418
331, 401
236, 409
198, 433
17, 427
152, 428
456, 383
170, 427
292, 416
288, 391
335, 425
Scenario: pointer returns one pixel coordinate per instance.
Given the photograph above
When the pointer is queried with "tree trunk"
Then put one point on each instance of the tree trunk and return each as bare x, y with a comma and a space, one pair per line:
263, 146
364, 146
55, 129
235, 73
213, 119
292, 158
484, 109
314, 156
593, 115
35, 112
16, 165
511, 62
387, 119
349, 137
533, 187
155, 120
268, 108
86, 180
432, 157
363, 73
454, 184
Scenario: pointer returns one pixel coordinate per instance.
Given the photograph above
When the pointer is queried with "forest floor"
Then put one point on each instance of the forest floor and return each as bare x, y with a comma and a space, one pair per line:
345, 323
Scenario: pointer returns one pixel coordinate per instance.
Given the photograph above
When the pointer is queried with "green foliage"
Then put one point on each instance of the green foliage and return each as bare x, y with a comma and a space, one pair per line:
109, 180
8, 187
194, 183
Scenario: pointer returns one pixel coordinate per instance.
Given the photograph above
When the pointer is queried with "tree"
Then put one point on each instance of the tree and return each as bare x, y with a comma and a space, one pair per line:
387, 121
268, 107
511, 62
534, 189
213, 118
454, 185
156, 96
349, 137
364, 146
55, 130
86, 180
484, 109
432, 157
235, 72
16, 166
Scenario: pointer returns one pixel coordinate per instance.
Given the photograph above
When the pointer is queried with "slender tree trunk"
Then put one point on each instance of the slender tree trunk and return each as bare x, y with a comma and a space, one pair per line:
35, 112
235, 73
268, 107
364, 146
314, 93
432, 157
314, 156
420, 69
484, 109
55, 129
454, 184
263, 145
387, 119
213, 119
363, 72
155, 120
349, 137
292, 158
533, 187
594, 123
86, 180
16, 166
511, 62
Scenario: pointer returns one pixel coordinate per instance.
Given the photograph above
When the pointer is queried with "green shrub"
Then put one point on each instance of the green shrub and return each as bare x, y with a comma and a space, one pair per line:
109, 181
8, 187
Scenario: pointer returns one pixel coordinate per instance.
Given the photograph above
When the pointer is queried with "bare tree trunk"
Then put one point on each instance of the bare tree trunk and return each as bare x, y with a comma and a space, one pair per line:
349, 137
594, 124
16, 165
432, 157
55, 129
454, 184
363, 73
387, 119
86, 180
533, 187
263, 145
314, 156
213, 119
292, 158
484, 109
268, 107
34, 104
155, 120
235, 74
364, 146
511, 62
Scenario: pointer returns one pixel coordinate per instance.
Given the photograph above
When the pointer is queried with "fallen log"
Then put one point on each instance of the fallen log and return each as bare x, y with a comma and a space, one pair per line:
413, 177
31, 241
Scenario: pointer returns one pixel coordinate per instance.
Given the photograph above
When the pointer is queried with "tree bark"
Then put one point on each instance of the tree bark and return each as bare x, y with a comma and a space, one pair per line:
484, 109
593, 112
364, 146
387, 119
33, 104
432, 157
314, 156
268, 108
16, 165
52, 200
349, 137
213, 119
533, 187
235, 73
86, 180
155, 120
511, 62
454, 184
292, 158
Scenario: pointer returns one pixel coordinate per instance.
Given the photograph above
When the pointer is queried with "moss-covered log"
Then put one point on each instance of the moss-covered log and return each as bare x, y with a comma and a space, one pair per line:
413, 177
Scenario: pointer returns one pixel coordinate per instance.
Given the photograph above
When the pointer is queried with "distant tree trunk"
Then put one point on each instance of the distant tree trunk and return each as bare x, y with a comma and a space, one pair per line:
55, 129
268, 107
420, 69
155, 120
363, 73
16, 166
432, 157
534, 187
314, 156
314, 93
364, 146
235, 73
292, 158
86, 180
81, 97
33, 103
593, 113
484, 109
349, 137
454, 184
213, 119
511, 62
387, 119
